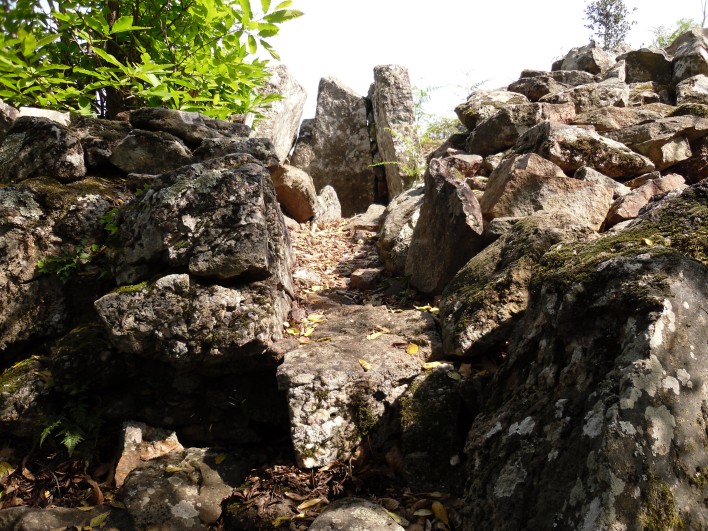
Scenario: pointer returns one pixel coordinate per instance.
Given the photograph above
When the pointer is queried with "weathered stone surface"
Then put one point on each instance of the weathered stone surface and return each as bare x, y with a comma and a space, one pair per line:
665, 141
185, 324
692, 90
281, 118
588, 174
48, 518
369, 220
448, 232
617, 73
21, 390
484, 103
399, 220
647, 65
536, 87
365, 279
150, 152
695, 168
612, 118
59, 117
629, 205
690, 55
354, 514
490, 293
589, 58
501, 130
649, 92
262, 149
566, 77
8, 114
601, 398
98, 138
572, 147
303, 154
392, 102
188, 221
328, 207
36, 147
142, 443
339, 152
463, 164
609, 93
295, 192
190, 127
524, 184
334, 398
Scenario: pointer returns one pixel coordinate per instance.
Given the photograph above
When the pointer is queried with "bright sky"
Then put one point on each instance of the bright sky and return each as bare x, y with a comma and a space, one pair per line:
446, 43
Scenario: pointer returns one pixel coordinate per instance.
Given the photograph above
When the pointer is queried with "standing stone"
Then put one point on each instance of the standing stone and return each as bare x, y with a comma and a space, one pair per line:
340, 147
394, 116
282, 118
400, 218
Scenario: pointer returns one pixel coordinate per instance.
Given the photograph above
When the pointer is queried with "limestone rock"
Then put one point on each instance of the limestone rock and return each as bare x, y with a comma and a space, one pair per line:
647, 65
262, 149
36, 147
690, 55
98, 138
369, 220
607, 119
392, 102
190, 127
589, 58
629, 205
572, 147
463, 164
303, 154
693, 89
501, 130
484, 103
448, 232
399, 220
365, 279
282, 117
524, 184
334, 398
150, 152
296, 193
328, 207
592, 96
354, 514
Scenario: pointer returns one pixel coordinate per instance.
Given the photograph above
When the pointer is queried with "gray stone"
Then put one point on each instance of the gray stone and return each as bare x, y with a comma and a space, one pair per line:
536, 87
589, 58
399, 220
50, 518
593, 96
262, 149
354, 514
565, 77
629, 205
150, 152
572, 147
8, 114
396, 136
607, 119
59, 117
98, 138
295, 192
695, 168
328, 207
693, 89
369, 220
690, 55
339, 390
21, 392
484, 103
281, 118
647, 65
36, 147
588, 174
448, 232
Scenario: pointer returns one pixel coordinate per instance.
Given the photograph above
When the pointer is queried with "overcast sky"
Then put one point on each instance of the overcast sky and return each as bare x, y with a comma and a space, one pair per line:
446, 43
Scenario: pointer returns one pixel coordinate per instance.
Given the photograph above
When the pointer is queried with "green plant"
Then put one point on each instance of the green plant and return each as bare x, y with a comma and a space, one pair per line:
609, 20
412, 167
70, 261
105, 56
109, 220
664, 36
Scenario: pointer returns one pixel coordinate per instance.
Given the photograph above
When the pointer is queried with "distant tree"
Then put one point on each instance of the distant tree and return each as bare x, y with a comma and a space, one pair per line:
609, 20
664, 36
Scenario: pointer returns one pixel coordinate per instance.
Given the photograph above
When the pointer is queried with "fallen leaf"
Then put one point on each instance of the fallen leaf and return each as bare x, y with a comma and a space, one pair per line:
295, 496
374, 335
648, 241
383, 329
85, 509
323, 339
308, 331
303, 340
171, 469
309, 503
219, 459
98, 520
315, 317
5, 468
431, 365
423, 512
440, 512
280, 521
399, 520
293, 331
454, 375
365, 365
117, 505
412, 349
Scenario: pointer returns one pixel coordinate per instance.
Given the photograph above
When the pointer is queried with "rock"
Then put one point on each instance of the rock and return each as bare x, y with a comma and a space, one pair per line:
629, 205
354, 514
303, 154
501, 130
8, 114
647, 64
98, 138
36, 147
592, 96
365, 279
484, 103
142, 443
261, 149
448, 232
695, 168
150, 152
649, 92
396, 136
588, 174
328, 207
190, 127
498, 227
599, 398
534, 88
524, 184
399, 220
572, 147
340, 148
464, 164
49, 518
489, 294
565, 77
690, 55
281, 119
617, 73
607, 119
692, 90
188, 221
369, 220
295, 192
61, 118
665, 141
21, 392
589, 58
339, 391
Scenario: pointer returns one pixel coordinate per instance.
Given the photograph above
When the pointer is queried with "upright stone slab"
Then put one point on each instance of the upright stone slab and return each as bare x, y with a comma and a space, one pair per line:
394, 116
339, 150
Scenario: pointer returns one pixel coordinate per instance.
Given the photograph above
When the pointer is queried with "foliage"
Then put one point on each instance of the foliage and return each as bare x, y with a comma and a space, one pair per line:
412, 167
105, 56
109, 220
70, 261
76, 423
664, 36
609, 20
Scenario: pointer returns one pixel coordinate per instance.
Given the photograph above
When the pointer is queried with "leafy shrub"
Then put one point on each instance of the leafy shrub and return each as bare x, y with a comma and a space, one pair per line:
609, 20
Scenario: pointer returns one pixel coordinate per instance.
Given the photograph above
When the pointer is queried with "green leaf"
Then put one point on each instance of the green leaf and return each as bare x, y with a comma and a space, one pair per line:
98, 520
265, 5
284, 4
283, 15
124, 23
107, 57
252, 45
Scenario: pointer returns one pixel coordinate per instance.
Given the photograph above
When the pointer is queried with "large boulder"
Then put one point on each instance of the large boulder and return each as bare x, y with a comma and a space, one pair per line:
589, 58
690, 53
150, 152
448, 232
281, 118
647, 64
600, 397
8, 114
536, 87
399, 221
354, 513
260, 148
572, 147
98, 138
524, 184
693, 89
340, 147
35, 147
296, 193
484, 103
572, 78
396, 136
607, 119
695, 168
592, 96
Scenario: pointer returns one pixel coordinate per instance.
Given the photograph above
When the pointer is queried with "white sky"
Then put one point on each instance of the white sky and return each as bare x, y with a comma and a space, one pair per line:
447, 43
